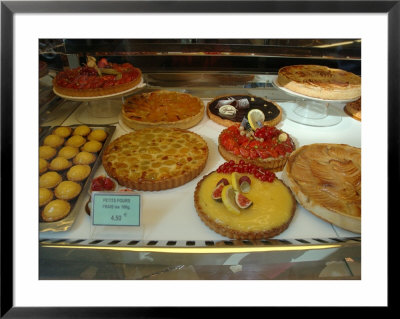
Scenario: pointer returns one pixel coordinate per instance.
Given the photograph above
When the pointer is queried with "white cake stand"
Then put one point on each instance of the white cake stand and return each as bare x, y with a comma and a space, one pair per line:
100, 110
313, 111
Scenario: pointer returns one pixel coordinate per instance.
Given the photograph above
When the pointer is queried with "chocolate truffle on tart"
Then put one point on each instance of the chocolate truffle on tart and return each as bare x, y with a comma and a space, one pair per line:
267, 146
244, 201
156, 158
162, 109
326, 180
231, 109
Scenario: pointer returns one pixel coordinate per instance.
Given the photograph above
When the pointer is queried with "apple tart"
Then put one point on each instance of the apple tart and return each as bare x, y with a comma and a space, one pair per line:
156, 158
326, 180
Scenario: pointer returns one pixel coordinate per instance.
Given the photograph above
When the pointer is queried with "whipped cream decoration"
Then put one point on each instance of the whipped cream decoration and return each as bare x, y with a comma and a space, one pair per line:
225, 102
242, 103
227, 111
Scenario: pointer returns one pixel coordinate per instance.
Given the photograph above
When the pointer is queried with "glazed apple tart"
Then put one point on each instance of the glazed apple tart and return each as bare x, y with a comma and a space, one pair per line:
155, 159
326, 180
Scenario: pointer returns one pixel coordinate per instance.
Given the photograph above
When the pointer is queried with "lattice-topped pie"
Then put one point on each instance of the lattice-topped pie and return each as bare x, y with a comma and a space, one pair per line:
155, 159
326, 180
162, 108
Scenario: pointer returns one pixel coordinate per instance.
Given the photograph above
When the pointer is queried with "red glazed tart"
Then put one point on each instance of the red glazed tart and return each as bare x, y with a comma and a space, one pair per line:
93, 80
268, 146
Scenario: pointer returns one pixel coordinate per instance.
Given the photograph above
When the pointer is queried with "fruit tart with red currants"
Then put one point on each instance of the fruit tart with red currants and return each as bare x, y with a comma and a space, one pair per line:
266, 146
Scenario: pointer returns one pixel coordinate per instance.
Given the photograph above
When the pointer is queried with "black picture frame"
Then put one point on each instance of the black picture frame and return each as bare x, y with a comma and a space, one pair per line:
9, 8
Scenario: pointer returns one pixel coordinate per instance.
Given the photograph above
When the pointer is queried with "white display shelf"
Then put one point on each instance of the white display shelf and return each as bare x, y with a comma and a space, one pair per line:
170, 215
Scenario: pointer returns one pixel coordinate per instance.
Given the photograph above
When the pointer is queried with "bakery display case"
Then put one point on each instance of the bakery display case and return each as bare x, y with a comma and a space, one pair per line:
171, 235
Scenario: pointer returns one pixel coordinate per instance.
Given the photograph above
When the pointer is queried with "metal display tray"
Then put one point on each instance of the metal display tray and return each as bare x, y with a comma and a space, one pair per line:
76, 204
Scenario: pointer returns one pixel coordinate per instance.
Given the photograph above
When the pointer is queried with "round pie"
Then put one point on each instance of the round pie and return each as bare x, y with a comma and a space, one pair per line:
326, 180
321, 82
156, 158
354, 109
262, 209
231, 109
268, 146
162, 109
97, 79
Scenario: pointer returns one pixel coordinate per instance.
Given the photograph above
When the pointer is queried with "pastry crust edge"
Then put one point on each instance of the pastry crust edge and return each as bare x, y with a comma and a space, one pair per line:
236, 234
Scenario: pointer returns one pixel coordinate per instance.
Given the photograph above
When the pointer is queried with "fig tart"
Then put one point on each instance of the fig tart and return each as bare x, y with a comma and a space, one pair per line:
267, 146
321, 82
154, 159
162, 108
326, 180
231, 109
244, 201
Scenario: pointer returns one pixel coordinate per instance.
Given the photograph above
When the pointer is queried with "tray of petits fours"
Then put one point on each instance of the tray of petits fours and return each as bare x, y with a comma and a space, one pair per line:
68, 158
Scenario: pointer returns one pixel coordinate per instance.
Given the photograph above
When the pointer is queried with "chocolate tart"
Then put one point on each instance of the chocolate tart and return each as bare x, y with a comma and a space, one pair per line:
272, 111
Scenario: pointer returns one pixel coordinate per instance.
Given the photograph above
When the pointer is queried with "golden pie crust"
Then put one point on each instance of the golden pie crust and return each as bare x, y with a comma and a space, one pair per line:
320, 82
353, 109
267, 217
162, 109
156, 158
326, 180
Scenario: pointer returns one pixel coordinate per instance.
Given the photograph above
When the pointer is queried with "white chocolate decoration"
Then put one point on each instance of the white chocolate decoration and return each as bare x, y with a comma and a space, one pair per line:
227, 111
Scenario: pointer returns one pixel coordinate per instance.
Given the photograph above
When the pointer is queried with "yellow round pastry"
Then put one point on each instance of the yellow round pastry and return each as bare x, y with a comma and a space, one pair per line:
45, 196
84, 158
97, 135
78, 173
267, 210
81, 130
46, 152
53, 140
68, 152
50, 179
63, 131
43, 165
92, 146
75, 141
59, 164
67, 190
55, 210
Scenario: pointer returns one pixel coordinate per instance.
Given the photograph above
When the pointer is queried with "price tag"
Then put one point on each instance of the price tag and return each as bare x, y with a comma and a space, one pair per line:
116, 209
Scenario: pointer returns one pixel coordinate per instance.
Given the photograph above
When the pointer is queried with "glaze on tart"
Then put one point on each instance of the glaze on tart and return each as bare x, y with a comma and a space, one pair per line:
156, 158
270, 213
162, 109
238, 106
320, 82
97, 79
268, 146
326, 180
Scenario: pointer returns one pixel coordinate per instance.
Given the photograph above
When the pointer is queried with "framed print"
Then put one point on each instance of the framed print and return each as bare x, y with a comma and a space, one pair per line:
162, 261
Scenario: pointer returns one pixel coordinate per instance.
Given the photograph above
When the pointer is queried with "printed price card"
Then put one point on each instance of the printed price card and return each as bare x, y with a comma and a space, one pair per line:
116, 209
